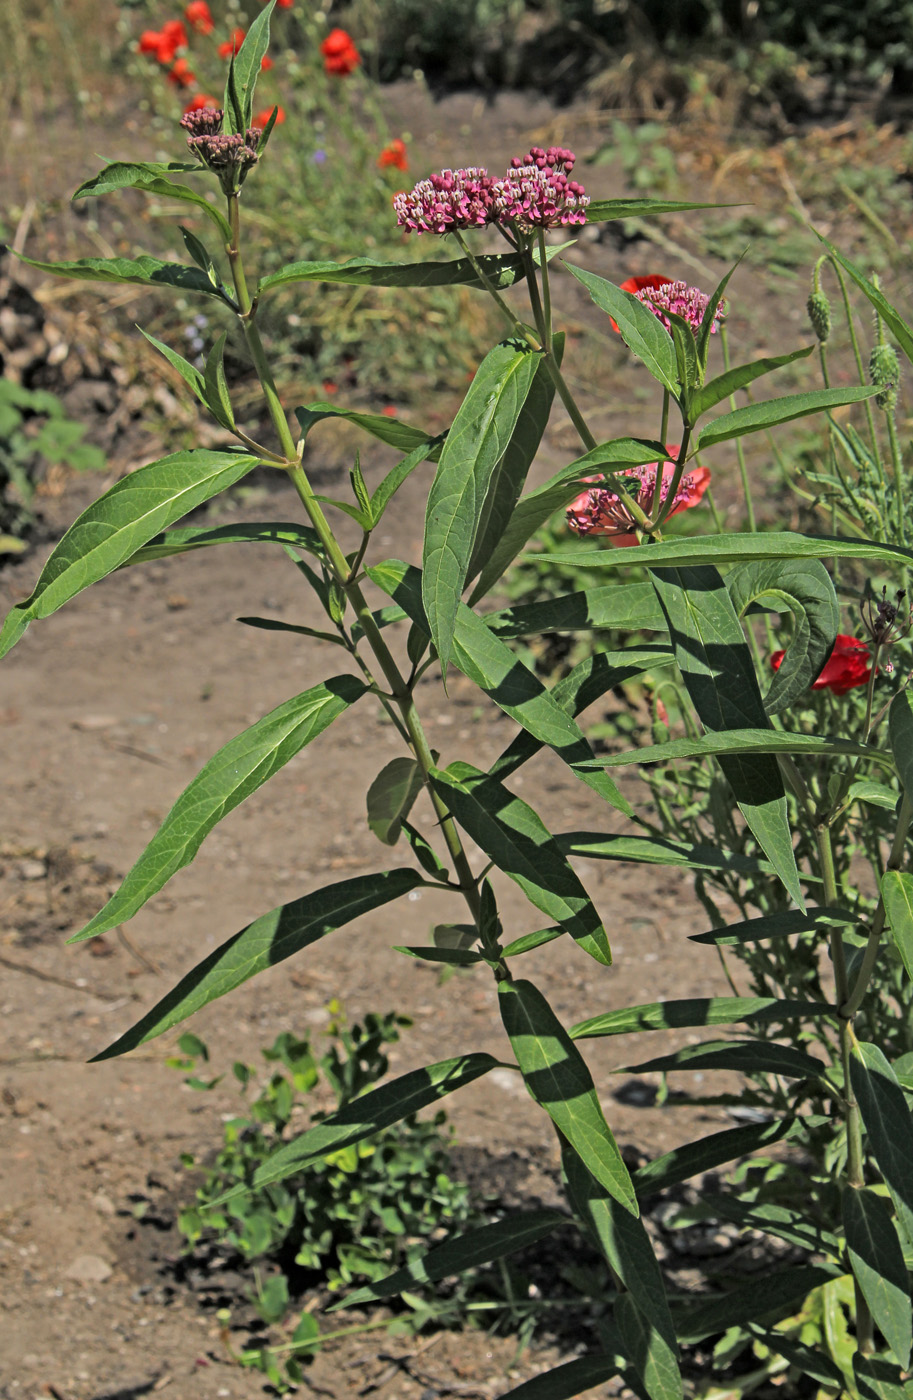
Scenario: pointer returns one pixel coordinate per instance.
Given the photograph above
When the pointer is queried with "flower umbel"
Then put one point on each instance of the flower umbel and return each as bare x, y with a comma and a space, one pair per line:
536, 192
601, 511
230, 156
681, 300
846, 667
451, 199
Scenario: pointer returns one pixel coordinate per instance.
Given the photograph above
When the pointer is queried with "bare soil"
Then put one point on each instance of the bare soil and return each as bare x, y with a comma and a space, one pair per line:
107, 710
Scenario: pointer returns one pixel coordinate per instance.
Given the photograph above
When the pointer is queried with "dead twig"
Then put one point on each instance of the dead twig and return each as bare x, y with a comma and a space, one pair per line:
31, 971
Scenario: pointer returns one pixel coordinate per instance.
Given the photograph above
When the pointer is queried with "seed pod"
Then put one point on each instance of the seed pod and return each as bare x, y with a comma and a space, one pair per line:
884, 372
819, 313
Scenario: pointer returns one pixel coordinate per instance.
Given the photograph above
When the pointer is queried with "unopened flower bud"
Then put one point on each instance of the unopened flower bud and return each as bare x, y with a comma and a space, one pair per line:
884, 372
819, 313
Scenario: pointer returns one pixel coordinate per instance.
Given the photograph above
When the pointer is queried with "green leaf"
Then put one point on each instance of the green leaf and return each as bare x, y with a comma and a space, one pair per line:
744, 1056
794, 1226
696, 1011
481, 434
455, 1256
169, 542
895, 323
745, 741
716, 668
900, 733
493, 667
877, 1261
808, 1360
567, 1381
737, 549
501, 269
557, 1077
145, 270
390, 798
771, 1296
218, 399
755, 417
119, 523
736, 378
509, 475
267, 941
705, 330
154, 179
886, 1118
527, 941
424, 853
455, 957
625, 606
514, 836
272, 624
874, 793
245, 70
644, 1320
897, 893
642, 332
689, 370
237, 770
878, 1379
398, 474
601, 210
705, 1155
776, 926
657, 850
804, 588
200, 254
188, 372
536, 508
370, 1113
402, 436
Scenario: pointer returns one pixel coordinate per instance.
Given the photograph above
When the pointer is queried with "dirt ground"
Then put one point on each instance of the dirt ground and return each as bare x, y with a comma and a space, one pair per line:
107, 710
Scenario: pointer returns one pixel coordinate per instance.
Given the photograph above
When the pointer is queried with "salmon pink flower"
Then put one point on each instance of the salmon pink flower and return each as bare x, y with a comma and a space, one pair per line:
394, 155
199, 17
340, 56
601, 511
448, 200
846, 667
232, 45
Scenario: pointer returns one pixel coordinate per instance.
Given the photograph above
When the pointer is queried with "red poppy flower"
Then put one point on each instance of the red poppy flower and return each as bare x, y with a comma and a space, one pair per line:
394, 155
329, 387
266, 63
340, 56
262, 118
181, 75
846, 667
199, 101
199, 17
232, 45
637, 284
389, 410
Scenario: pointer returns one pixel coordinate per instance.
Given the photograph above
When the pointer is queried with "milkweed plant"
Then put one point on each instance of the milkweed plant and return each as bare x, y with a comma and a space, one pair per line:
791, 789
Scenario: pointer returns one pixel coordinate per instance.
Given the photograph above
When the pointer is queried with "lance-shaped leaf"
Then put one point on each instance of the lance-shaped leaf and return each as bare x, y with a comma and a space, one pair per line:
886, 1118
215, 384
697, 1011
657, 850
481, 434
643, 1319
390, 798
897, 893
878, 1266
490, 663
244, 70
181, 541
119, 523
519, 843
568, 1381
155, 179
557, 1077
237, 770
756, 417
695, 1158
747, 741
642, 332
877, 1379
716, 668
804, 588
468, 1251
501, 269
146, 271
267, 941
394, 479
625, 606
370, 1114
586, 683
895, 323
527, 941
538, 506
734, 549
188, 372
791, 1225
900, 732
808, 1360
744, 1056
403, 436
509, 475
770, 1297
714, 392
816, 921
600, 210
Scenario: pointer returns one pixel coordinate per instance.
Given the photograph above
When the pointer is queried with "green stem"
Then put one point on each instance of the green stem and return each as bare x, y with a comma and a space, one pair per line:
740, 452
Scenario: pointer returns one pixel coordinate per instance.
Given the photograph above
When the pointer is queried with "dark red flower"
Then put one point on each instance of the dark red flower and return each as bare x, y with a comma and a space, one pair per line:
340, 56
846, 667
199, 17
394, 155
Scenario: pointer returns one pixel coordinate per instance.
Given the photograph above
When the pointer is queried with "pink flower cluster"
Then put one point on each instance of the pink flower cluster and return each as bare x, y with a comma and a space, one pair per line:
535, 193
599, 511
677, 297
